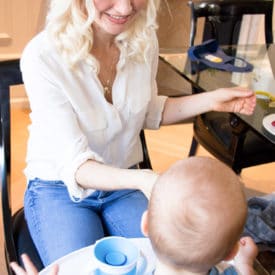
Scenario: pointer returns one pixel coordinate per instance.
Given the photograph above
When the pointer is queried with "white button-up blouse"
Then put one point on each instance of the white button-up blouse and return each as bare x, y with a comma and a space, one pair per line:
72, 122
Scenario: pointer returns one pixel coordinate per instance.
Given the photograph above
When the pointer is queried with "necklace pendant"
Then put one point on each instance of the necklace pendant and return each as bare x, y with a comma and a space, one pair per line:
107, 90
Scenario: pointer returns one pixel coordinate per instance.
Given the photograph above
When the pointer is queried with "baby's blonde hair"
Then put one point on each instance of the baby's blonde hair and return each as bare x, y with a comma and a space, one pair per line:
196, 214
69, 27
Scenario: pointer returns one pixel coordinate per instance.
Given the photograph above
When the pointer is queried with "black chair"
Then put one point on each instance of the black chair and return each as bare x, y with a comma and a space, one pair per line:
17, 239
223, 134
223, 18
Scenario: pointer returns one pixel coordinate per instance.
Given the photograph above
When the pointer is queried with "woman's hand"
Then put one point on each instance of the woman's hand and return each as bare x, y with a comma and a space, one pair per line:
30, 269
147, 182
235, 100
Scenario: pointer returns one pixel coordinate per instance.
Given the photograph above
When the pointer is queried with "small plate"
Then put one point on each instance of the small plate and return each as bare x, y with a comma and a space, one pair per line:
269, 123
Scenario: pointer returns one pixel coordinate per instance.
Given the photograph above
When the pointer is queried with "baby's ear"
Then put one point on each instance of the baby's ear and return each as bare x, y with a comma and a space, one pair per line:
232, 253
144, 223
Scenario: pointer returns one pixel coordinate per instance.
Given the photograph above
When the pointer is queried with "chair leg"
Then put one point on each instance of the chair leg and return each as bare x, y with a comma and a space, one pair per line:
193, 148
237, 170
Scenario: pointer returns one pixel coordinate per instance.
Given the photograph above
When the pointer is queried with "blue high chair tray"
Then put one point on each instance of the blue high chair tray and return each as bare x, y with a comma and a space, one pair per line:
210, 55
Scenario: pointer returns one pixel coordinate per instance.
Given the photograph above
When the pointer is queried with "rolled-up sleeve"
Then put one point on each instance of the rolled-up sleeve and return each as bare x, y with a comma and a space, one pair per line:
76, 192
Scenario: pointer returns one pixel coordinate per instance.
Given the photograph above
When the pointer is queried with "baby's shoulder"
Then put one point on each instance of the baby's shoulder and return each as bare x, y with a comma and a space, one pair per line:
224, 268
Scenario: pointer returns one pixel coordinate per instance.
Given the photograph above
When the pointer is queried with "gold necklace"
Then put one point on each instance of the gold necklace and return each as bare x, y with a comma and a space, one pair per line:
107, 88
107, 85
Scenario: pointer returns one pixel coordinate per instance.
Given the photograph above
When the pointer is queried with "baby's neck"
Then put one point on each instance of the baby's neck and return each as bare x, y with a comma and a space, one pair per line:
163, 269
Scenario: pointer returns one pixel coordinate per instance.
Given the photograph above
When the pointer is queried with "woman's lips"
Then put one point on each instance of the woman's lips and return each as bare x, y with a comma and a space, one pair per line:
116, 19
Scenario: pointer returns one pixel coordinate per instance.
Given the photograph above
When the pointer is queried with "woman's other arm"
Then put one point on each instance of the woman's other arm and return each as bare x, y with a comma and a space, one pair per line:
237, 100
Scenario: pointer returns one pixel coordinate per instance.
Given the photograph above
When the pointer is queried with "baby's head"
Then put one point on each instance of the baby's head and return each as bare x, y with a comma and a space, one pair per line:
196, 214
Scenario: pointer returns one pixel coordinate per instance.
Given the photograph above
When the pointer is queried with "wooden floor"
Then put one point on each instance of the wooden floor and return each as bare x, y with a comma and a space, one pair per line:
166, 145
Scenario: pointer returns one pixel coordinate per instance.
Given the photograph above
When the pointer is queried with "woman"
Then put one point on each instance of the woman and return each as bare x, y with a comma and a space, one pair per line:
90, 79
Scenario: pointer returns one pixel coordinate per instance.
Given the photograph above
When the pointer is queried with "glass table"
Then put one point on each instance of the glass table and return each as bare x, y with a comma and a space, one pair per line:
260, 79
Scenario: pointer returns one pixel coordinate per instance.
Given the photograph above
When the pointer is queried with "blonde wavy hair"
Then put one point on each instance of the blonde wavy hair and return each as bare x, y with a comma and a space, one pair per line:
69, 22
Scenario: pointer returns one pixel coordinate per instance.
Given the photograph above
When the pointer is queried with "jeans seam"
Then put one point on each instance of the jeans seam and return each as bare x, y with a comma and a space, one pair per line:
114, 225
36, 226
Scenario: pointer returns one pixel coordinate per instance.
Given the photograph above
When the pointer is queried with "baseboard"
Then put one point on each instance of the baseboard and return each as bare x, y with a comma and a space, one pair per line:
20, 102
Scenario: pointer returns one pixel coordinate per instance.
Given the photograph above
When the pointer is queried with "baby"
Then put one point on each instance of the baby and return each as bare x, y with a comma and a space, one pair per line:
196, 215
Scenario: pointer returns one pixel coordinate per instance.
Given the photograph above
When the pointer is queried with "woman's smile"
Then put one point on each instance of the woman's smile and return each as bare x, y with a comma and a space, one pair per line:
115, 16
118, 19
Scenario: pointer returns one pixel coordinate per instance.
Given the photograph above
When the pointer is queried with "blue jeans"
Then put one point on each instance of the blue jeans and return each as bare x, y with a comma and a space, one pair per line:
59, 226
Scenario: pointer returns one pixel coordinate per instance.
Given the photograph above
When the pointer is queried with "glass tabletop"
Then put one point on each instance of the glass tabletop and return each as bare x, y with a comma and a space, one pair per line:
261, 79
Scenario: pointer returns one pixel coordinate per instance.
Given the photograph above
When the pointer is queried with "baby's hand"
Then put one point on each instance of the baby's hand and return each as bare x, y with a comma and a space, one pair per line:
247, 252
30, 269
